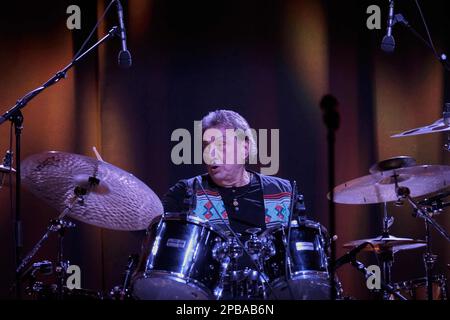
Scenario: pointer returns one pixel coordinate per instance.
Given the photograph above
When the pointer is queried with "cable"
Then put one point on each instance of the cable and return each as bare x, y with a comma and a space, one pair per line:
255, 264
426, 28
92, 31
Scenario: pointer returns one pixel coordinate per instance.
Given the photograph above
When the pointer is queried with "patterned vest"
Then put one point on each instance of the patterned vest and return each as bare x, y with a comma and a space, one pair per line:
277, 195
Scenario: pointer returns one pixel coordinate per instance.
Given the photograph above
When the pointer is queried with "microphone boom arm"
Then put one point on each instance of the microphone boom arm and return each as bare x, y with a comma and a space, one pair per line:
399, 18
22, 102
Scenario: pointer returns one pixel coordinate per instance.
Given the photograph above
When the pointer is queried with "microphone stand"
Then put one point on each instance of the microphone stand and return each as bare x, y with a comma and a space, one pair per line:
399, 18
15, 116
443, 59
331, 118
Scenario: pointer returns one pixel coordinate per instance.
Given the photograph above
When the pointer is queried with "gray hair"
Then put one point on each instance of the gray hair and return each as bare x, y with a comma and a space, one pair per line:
228, 119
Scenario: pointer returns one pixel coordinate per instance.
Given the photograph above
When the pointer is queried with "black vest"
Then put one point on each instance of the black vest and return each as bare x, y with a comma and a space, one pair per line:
277, 194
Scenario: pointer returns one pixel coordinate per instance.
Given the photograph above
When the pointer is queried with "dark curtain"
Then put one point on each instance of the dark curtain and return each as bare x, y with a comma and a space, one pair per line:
271, 61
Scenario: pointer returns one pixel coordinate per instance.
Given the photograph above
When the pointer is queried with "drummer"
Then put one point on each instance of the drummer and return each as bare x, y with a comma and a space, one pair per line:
243, 198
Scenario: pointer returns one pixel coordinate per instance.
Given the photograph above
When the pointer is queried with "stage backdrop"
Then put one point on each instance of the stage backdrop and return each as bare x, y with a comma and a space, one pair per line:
271, 61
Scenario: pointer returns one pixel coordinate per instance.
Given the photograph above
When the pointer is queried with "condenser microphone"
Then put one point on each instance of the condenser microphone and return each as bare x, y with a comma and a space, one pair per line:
388, 42
124, 54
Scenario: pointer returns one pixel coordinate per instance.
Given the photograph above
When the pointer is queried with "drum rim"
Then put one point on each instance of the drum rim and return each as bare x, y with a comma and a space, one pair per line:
280, 281
304, 273
185, 217
178, 277
301, 274
308, 223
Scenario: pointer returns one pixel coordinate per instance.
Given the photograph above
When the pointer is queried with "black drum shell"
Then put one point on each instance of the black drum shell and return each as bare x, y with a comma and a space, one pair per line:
177, 257
308, 277
308, 247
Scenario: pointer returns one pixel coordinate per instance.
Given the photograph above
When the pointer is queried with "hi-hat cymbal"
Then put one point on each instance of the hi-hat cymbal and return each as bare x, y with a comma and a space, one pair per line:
437, 126
120, 201
380, 244
380, 187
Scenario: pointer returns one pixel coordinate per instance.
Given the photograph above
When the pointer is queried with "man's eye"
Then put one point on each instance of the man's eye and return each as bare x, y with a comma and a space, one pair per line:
213, 143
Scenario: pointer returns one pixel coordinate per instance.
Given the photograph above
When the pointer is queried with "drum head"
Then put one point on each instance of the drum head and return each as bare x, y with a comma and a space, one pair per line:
165, 287
311, 287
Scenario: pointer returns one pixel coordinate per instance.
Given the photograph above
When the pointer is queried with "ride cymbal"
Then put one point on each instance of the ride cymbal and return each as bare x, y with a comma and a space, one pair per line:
116, 200
380, 187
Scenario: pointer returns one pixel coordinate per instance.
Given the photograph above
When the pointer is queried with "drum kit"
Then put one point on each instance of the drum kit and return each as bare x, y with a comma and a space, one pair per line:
184, 257
398, 180
401, 180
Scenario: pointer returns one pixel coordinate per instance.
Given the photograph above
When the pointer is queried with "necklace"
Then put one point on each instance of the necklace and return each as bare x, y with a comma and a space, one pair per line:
235, 197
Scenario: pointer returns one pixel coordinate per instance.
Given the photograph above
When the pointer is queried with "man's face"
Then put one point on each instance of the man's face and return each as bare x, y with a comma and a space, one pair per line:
224, 153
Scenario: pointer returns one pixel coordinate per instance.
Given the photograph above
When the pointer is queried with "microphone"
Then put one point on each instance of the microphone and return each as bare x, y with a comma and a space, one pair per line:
124, 54
350, 256
388, 42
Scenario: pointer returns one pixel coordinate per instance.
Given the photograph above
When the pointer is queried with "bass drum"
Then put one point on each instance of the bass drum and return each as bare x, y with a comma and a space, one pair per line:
417, 289
307, 277
176, 262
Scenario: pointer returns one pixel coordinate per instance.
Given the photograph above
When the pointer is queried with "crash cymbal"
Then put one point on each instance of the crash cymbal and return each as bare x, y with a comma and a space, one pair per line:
437, 126
380, 187
120, 201
390, 242
393, 163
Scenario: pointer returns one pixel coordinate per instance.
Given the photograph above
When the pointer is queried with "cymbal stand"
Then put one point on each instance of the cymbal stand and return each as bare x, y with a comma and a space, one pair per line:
123, 292
386, 256
429, 257
404, 193
59, 225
